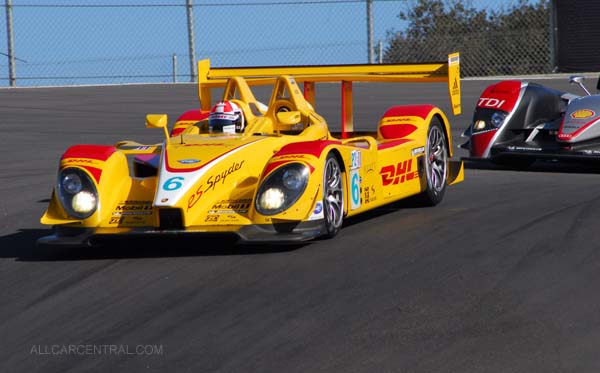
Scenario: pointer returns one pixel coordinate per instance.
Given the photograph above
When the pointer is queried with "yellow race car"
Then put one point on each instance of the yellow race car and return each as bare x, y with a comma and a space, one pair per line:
265, 173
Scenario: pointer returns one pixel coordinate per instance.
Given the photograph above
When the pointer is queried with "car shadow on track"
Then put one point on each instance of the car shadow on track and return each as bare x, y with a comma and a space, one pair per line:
538, 166
22, 247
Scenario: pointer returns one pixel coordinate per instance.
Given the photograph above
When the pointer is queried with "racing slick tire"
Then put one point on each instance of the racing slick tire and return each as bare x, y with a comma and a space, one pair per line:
435, 165
333, 196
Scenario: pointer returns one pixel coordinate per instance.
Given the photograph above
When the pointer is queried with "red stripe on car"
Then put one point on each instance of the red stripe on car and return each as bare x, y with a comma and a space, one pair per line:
306, 147
421, 111
391, 143
97, 152
274, 165
501, 96
480, 142
192, 115
397, 131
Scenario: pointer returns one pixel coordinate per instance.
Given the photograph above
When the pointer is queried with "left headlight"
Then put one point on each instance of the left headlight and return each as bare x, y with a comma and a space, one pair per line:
281, 189
77, 193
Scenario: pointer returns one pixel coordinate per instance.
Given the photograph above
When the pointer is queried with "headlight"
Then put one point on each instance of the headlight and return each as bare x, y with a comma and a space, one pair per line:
77, 193
72, 183
498, 118
281, 189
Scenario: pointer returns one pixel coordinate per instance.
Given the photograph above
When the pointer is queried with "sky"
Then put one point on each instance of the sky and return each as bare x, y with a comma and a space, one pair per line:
63, 42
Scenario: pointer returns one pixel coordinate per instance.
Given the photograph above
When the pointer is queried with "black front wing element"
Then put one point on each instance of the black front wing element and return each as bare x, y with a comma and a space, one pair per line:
272, 233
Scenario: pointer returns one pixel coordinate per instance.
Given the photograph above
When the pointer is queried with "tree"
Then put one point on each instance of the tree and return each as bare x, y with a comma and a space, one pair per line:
507, 41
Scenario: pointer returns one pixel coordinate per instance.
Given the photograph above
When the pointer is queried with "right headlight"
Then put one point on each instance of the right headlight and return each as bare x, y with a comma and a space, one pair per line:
488, 119
77, 193
281, 189
498, 118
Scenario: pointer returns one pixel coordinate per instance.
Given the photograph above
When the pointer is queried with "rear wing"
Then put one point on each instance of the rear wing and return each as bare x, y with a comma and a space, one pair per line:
448, 71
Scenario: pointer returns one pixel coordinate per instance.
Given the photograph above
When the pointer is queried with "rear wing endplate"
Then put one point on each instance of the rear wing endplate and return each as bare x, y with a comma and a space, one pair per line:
448, 72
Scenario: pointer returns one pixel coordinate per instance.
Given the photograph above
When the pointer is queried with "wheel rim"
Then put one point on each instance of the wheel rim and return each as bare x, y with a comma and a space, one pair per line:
436, 159
333, 195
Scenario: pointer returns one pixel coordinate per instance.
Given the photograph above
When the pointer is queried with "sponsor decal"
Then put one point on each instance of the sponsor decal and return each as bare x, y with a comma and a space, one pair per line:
231, 206
455, 87
354, 189
318, 208
80, 160
212, 182
523, 148
211, 218
128, 220
195, 197
583, 114
292, 156
399, 120
219, 179
125, 208
116, 220
356, 156
398, 173
142, 148
418, 151
317, 212
369, 194
188, 161
164, 200
490, 102
454, 60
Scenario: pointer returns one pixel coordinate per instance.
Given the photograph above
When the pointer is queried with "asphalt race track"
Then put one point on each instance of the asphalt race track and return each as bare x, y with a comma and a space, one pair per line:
503, 276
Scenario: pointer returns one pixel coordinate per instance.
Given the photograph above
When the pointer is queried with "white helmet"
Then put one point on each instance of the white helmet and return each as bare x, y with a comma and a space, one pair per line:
226, 117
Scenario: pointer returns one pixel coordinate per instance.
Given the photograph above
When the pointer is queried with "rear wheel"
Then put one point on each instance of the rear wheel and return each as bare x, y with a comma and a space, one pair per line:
436, 164
333, 196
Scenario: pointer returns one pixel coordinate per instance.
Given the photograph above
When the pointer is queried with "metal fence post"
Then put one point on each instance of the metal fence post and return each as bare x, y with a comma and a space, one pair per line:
370, 30
191, 45
553, 37
11, 47
174, 68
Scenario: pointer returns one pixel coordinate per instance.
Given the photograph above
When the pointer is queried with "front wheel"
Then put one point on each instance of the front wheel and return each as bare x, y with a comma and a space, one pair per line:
333, 196
436, 164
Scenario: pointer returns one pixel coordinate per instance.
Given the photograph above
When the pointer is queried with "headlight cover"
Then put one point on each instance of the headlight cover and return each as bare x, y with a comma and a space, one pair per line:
489, 119
498, 119
281, 189
77, 193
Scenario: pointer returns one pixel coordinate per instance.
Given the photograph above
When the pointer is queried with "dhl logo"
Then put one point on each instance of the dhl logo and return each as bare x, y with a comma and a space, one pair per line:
399, 173
86, 161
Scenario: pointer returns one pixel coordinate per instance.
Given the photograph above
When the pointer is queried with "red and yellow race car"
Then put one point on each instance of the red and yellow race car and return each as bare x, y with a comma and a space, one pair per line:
265, 173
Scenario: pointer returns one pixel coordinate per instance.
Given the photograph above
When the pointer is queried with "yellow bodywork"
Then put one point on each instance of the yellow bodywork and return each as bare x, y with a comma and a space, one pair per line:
202, 182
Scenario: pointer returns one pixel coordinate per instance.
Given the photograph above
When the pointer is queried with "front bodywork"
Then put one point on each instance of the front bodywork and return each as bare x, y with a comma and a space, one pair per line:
196, 182
516, 120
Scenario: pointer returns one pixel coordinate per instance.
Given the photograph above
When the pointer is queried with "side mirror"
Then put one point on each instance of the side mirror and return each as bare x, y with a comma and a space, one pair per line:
158, 121
289, 118
578, 79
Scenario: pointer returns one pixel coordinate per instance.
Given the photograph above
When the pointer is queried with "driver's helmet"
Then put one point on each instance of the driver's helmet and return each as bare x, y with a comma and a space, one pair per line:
226, 117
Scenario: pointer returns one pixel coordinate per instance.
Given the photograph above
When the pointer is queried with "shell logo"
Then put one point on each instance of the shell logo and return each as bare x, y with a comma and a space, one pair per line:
582, 114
